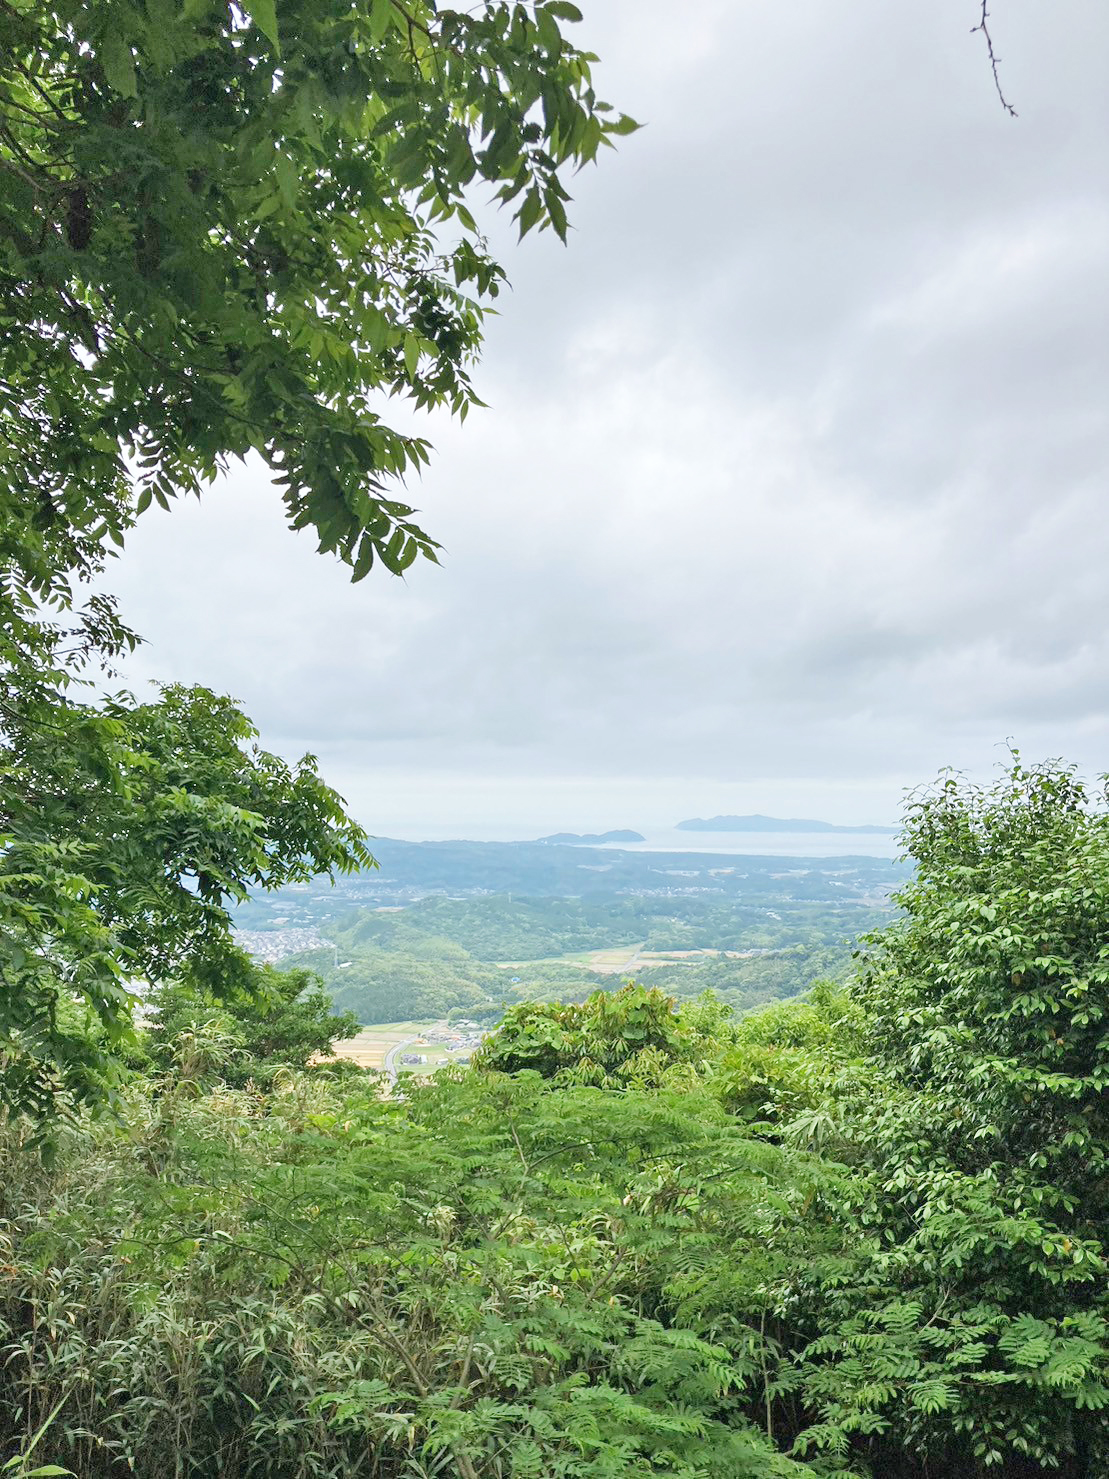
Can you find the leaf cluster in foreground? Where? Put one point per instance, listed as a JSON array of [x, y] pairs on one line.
[[855, 1234]]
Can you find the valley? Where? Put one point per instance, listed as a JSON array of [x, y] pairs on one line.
[[469, 928]]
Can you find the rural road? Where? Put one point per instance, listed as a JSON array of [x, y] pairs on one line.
[[389, 1064]]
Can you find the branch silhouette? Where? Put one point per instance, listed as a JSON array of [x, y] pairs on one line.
[[983, 26]]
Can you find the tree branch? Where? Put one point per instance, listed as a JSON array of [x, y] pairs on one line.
[[994, 58]]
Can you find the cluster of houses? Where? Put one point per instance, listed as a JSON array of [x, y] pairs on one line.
[[460, 1039], [270, 946]]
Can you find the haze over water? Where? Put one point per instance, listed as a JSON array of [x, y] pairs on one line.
[[671, 839], [768, 844]]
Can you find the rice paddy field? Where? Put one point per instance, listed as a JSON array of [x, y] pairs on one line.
[[374, 1045], [371, 1045]]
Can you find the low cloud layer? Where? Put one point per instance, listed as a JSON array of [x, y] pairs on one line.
[[793, 484]]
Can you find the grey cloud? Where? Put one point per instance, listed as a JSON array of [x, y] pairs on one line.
[[794, 476]]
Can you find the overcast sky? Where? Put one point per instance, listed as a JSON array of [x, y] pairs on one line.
[[792, 488]]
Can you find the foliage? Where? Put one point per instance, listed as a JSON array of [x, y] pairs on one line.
[[425, 979], [791, 1059], [848, 1235], [628, 1037], [470, 1281], [949, 1312], [858, 1235], [126, 830], [749, 983], [993, 991], [282, 1019], [984, 1011], [224, 230], [436, 955], [230, 228]]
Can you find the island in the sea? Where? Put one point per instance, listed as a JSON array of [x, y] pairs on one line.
[[758, 823], [581, 839]]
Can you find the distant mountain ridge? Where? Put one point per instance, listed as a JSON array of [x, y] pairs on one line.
[[573, 839], [758, 823]]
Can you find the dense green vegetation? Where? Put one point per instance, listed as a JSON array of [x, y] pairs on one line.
[[281, 1019], [429, 979], [441, 955], [778, 923], [225, 231], [856, 1234], [122, 835], [859, 1233], [495, 928], [419, 977]]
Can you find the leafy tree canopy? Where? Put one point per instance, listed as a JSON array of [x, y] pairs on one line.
[[858, 1235], [126, 831], [283, 1020], [991, 994], [225, 228], [630, 1036], [944, 1310], [982, 1133]]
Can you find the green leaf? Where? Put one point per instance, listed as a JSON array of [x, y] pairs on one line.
[[548, 31], [118, 65], [364, 563], [287, 179], [557, 212], [264, 270], [264, 16], [270, 206], [392, 552], [381, 17], [530, 211]]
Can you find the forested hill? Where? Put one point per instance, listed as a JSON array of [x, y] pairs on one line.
[[473, 926]]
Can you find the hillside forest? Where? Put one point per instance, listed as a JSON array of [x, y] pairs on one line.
[[857, 1233], [470, 927]]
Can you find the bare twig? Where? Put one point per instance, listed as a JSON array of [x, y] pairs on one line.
[[994, 58]]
